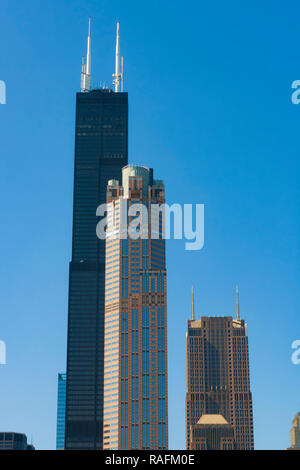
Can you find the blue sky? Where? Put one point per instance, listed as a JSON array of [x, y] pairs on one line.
[[210, 110]]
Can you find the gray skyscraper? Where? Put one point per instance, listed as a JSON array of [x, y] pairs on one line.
[[101, 150]]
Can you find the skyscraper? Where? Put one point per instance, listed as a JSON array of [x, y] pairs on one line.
[[295, 433], [14, 441], [212, 432], [61, 411], [218, 379], [101, 150], [135, 364]]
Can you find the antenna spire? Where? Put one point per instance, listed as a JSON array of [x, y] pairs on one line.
[[86, 67], [118, 76], [193, 308], [122, 74], [237, 304]]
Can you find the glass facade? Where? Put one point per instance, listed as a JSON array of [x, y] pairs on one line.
[[101, 143], [61, 411]]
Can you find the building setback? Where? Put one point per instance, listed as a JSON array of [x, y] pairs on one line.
[[212, 432], [218, 379], [135, 371], [101, 150]]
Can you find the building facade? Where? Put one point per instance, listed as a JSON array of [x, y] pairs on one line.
[[218, 378], [135, 364], [295, 433], [61, 411], [212, 432], [14, 441], [101, 143]]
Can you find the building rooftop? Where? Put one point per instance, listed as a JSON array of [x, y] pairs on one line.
[[199, 323], [212, 419]]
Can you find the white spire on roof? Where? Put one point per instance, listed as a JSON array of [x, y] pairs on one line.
[[118, 76], [86, 67]]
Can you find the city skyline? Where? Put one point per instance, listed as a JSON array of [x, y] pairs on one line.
[[232, 161]]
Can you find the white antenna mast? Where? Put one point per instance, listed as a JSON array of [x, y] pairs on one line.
[[237, 304], [122, 74], [117, 76], [82, 75], [86, 68]]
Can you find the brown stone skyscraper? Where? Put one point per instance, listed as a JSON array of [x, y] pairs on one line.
[[135, 360], [295, 433], [218, 381]]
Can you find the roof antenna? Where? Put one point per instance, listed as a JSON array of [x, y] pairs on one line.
[[193, 308], [86, 67], [82, 74], [237, 304], [122, 74], [117, 76]]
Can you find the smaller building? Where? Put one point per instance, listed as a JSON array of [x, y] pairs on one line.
[[61, 411], [212, 432], [14, 441], [218, 375], [295, 433]]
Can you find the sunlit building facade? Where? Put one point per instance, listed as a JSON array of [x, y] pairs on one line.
[[295, 433], [135, 357]]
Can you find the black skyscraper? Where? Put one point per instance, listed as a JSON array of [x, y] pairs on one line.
[[101, 150]]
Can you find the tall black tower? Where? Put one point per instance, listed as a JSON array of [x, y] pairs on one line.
[[101, 150]]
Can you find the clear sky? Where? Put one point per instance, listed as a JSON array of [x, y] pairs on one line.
[[209, 88]]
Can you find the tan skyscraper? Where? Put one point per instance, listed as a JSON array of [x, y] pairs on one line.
[[218, 380], [295, 433], [135, 361]]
